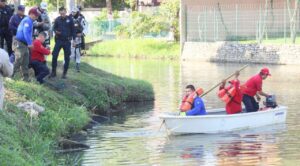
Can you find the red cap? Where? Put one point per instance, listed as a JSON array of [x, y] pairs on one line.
[[34, 11], [265, 71]]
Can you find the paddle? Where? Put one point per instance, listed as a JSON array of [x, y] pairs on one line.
[[217, 85]]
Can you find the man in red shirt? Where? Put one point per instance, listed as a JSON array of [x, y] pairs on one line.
[[253, 87], [38, 61]]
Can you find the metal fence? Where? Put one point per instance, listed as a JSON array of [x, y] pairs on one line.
[[236, 22]]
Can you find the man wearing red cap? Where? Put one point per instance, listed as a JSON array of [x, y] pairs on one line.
[[24, 42], [253, 87]]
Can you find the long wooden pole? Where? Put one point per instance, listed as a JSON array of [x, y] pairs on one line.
[[212, 88]]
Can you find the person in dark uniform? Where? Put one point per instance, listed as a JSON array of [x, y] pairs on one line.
[[16, 19], [84, 25], [78, 28], [64, 32], [5, 14]]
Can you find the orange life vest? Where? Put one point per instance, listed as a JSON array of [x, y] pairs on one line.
[[188, 101], [226, 94]]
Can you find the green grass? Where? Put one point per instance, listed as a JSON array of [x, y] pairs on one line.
[[137, 48], [273, 41], [25, 143]]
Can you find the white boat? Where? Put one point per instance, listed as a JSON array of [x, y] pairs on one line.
[[217, 121]]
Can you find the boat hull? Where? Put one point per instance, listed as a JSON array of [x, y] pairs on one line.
[[223, 123]]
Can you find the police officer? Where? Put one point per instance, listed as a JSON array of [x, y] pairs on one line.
[[64, 33], [16, 19], [43, 24], [84, 25], [77, 43], [5, 14]]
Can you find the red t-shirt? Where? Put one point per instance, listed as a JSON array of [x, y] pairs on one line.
[[38, 51], [253, 85]]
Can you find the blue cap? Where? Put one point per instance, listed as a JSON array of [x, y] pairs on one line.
[[21, 7]]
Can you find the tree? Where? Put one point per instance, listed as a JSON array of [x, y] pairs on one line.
[[169, 10], [109, 6], [52, 4], [293, 16]]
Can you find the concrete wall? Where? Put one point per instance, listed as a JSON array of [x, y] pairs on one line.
[[245, 53]]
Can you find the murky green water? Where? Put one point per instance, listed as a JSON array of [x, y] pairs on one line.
[[133, 139]]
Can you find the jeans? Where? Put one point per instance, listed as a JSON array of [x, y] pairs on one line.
[[250, 103], [40, 69]]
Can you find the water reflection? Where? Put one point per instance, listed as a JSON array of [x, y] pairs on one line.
[[258, 148], [133, 139]]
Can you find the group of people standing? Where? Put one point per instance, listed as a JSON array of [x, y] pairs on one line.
[[233, 95], [27, 38]]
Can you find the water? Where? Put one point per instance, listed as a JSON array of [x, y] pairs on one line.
[[134, 139]]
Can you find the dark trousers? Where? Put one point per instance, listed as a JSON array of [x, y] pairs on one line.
[[250, 103], [8, 39], [83, 42], [66, 46], [40, 70]]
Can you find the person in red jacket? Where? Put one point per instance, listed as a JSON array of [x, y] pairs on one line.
[[233, 95], [38, 61]]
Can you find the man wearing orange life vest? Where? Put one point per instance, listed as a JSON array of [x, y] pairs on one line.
[[253, 87], [232, 95], [198, 107]]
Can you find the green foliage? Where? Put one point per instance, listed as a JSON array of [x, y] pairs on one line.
[[101, 22], [103, 15], [116, 4], [137, 48], [141, 24], [132, 4], [169, 10], [122, 32], [52, 5], [22, 143]]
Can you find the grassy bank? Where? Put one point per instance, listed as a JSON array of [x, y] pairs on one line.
[[66, 103], [137, 48]]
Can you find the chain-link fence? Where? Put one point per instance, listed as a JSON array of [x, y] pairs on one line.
[[102, 29], [265, 21]]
